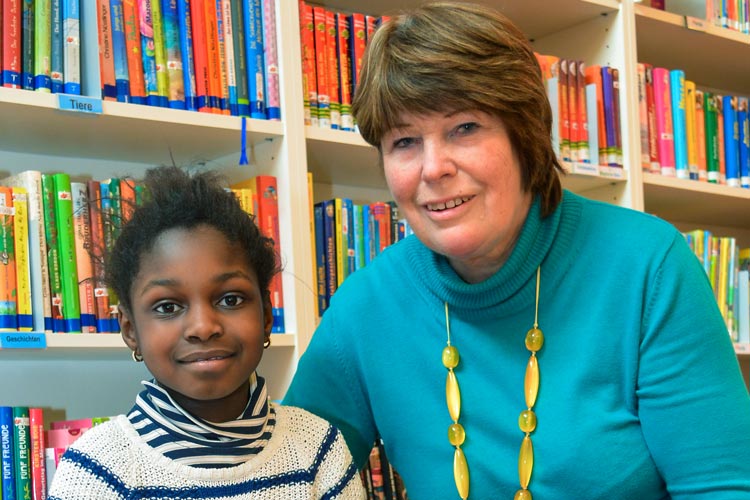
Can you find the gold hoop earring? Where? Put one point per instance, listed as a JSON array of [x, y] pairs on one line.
[[267, 343], [138, 358]]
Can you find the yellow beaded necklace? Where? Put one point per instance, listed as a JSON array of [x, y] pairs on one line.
[[526, 421]]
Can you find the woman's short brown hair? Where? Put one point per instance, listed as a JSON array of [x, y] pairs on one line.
[[451, 56]]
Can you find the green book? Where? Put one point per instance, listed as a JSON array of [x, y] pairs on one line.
[[66, 248], [27, 44], [42, 46], [22, 452], [53, 254], [712, 139], [160, 50]]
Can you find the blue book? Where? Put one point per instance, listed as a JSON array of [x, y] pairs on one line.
[[679, 122], [731, 140], [351, 245], [120, 52], [22, 452], [172, 49], [367, 233], [71, 15], [609, 116], [253, 22], [7, 447], [320, 258], [56, 47], [185, 28], [329, 246], [743, 126], [148, 53]]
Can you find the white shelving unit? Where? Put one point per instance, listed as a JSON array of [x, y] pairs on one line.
[[86, 375]]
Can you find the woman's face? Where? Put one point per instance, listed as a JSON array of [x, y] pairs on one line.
[[457, 181]]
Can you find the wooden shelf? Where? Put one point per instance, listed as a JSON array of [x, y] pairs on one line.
[[335, 156]]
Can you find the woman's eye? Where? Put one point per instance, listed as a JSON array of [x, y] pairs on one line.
[[231, 300], [167, 308], [465, 128], [403, 142]]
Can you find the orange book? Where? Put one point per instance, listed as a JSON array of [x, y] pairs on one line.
[[133, 44], [212, 57], [200, 56], [106, 55], [564, 107], [700, 135], [332, 65], [8, 303], [98, 251], [583, 128], [127, 198], [309, 78], [321, 67], [84, 265]]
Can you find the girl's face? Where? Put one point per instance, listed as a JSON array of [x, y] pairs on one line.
[[199, 320], [457, 181]]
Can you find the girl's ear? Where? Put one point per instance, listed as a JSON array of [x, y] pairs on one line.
[[127, 328], [267, 313]]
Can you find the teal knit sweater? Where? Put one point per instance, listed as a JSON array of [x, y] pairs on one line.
[[640, 398]]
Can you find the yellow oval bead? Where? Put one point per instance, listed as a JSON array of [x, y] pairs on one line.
[[461, 473], [531, 381], [534, 339], [456, 434], [450, 357], [522, 495], [453, 395], [527, 421], [525, 462]]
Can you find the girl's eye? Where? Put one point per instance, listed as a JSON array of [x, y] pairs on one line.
[[231, 300], [167, 308]]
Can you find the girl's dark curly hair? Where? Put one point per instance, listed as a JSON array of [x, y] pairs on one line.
[[176, 198]]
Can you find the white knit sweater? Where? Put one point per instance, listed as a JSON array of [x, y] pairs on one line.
[[306, 458]]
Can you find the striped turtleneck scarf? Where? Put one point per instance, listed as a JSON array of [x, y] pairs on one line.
[[195, 442]]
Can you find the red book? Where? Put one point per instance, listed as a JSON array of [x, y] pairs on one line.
[[213, 61], [583, 128], [309, 78], [321, 67], [593, 75], [333, 69], [653, 148], [200, 54], [268, 222], [564, 107], [11, 36], [133, 44], [106, 55], [38, 469], [357, 43]]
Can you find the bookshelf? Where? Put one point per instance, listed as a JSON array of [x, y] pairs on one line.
[[126, 139]]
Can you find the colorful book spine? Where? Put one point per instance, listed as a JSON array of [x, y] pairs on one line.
[[712, 138], [112, 223], [186, 49], [329, 234], [148, 53], [357, 42], [42, 45], [213, 62], [200, 54], [743, 126], [583, 128], [24, 308], [700, 133], [664, 127], [53, 253], [321, 67], [27, 44], [342, 236], [268, 221], [240, 58], [331, 61], [57, 61], [31, 180], [692, 133], [221, 63], [84, 266], [653, 147], [309, 78], [345, 71], [120, 51], [679, 122], [593, 76], [731, 141], [136, 77], [573, 109], [563, 109], [72, 46], [618, 119], [11, 35], [21, 455], [36, 454], [106, 54], [254, 53], [8, 285], [71, 307], [160, 53], [271, 56], [643, 117], [320, 258], [175, 78], [228, 60], [719, 101], [7, 450], [98, 252]]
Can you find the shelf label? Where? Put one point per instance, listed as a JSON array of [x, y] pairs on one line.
[[22, 340], [80, 104], [694, 23]]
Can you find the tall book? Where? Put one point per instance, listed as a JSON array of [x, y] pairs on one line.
[[743, 127], [8, 291], [357, 43], [27, 43], [41, 296], [42, 45], [309, 79], [321, 66], [731, 141], [106, 53], [719, 101], [67, 252], [664, 125], [643, 117], [148, 54], [173, 51], [98, 252], [331, 61], [582, 118], [160, 53], [11, 35], [690, 127], [700, 133], [37, 454], [53, 253], [120, 51], [712, 138], [254, 51], [228, 60], [188, 57], [345, 70], [240, 58], [21, 452], [7, 450], [200, 55], [72, 46], [679, 122], [57, 62], [84, 265], [225, 102], [271, 57], [24, 310], [136, 78], [320, 258]]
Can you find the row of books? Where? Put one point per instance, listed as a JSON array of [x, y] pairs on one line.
[[732, 14], [720, 257], [55, 235], [29, 454], [692, 133], [381, 480], [333, 44], [585, 110], [347, 237], [216, 56], [41, 45]]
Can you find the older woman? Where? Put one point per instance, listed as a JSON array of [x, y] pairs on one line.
[[526, 339]]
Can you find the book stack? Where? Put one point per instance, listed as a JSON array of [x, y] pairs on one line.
[[690, 133]]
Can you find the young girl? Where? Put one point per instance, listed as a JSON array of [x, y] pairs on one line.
[[192, 272]]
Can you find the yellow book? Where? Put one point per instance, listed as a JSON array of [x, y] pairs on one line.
[[23, 271], [723, 269], [690, 129], [341, 261], [312, 235]]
